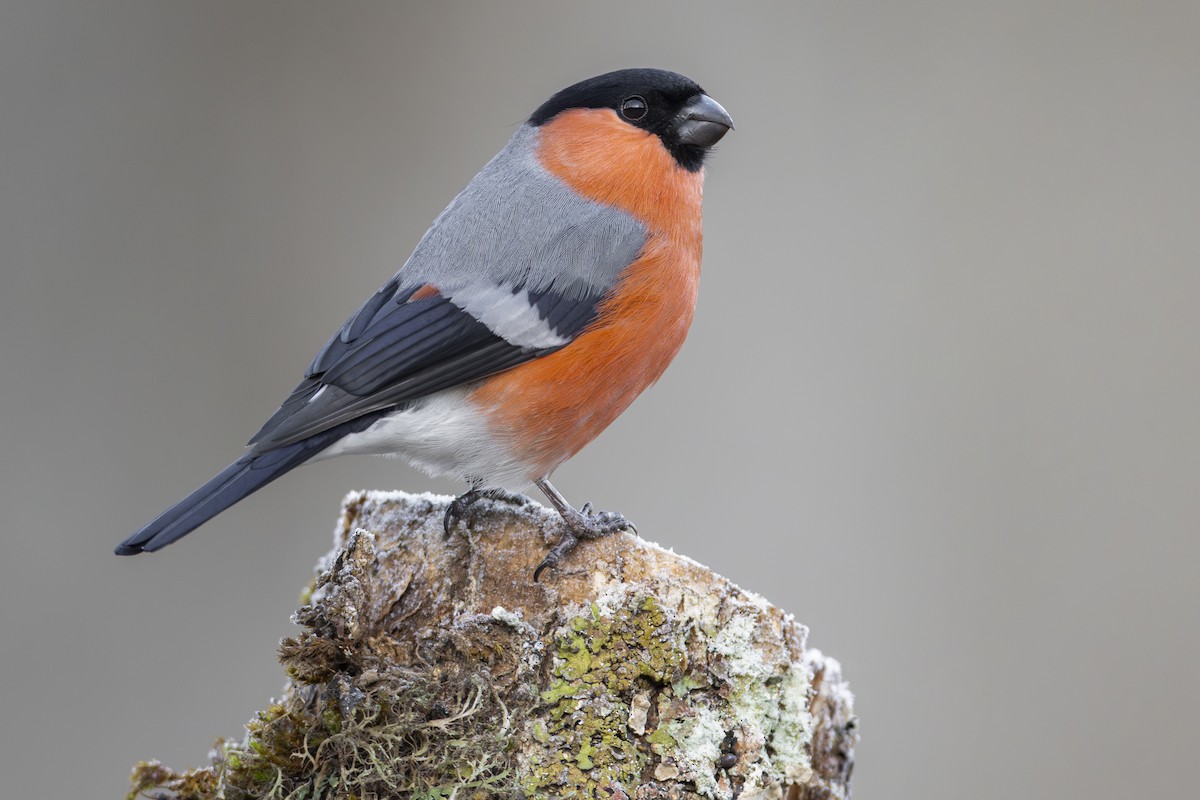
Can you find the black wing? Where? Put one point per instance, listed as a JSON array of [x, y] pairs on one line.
[[396, 349]]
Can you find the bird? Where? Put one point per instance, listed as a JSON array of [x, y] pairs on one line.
[[554, 289]]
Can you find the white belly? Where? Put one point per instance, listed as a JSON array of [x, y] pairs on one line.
[[443, 436]]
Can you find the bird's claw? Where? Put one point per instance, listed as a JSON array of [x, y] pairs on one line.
[[583, 524], [460, 506], [602, 523], [454, 512], [564, 546]]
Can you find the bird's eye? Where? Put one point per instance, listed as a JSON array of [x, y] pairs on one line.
[[634, 107]]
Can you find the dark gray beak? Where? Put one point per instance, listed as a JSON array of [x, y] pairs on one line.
[[702, 122]]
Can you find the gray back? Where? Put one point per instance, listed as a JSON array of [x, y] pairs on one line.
[[517, 224]]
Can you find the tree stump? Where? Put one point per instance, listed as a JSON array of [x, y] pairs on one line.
[[434, 667]]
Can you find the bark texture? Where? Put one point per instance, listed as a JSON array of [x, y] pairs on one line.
[[433, 667]]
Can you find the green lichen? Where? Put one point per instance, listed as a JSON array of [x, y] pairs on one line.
[[601, 660], [661, 740], [149, 776], [400, 740]]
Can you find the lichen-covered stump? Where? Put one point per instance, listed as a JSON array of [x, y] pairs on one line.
[[433, 667]]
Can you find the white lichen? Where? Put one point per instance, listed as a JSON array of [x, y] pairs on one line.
[[699, 738], [792, 732]]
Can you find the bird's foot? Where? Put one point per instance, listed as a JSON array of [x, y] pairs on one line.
[[583, 524], [461, 506]]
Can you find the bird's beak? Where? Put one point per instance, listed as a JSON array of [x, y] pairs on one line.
[[702, 122]]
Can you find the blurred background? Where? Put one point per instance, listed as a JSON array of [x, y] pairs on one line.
[[940, 398]]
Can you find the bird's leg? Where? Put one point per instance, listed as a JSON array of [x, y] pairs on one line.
[[461, 505], [582, 524]]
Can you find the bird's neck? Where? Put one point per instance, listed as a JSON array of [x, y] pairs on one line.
[[611, 162]]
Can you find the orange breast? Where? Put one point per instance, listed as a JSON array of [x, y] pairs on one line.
[[545, 411]]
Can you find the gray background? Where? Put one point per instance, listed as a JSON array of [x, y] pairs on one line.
[[940, 399]]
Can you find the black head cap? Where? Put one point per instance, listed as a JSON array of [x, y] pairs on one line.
[[664, 103]]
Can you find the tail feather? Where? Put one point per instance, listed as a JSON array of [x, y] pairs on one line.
[[240, 479]]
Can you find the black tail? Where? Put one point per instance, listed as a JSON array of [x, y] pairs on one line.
[[241, 478]]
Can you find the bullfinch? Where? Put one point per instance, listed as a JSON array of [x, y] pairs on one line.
[[549, 294]]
